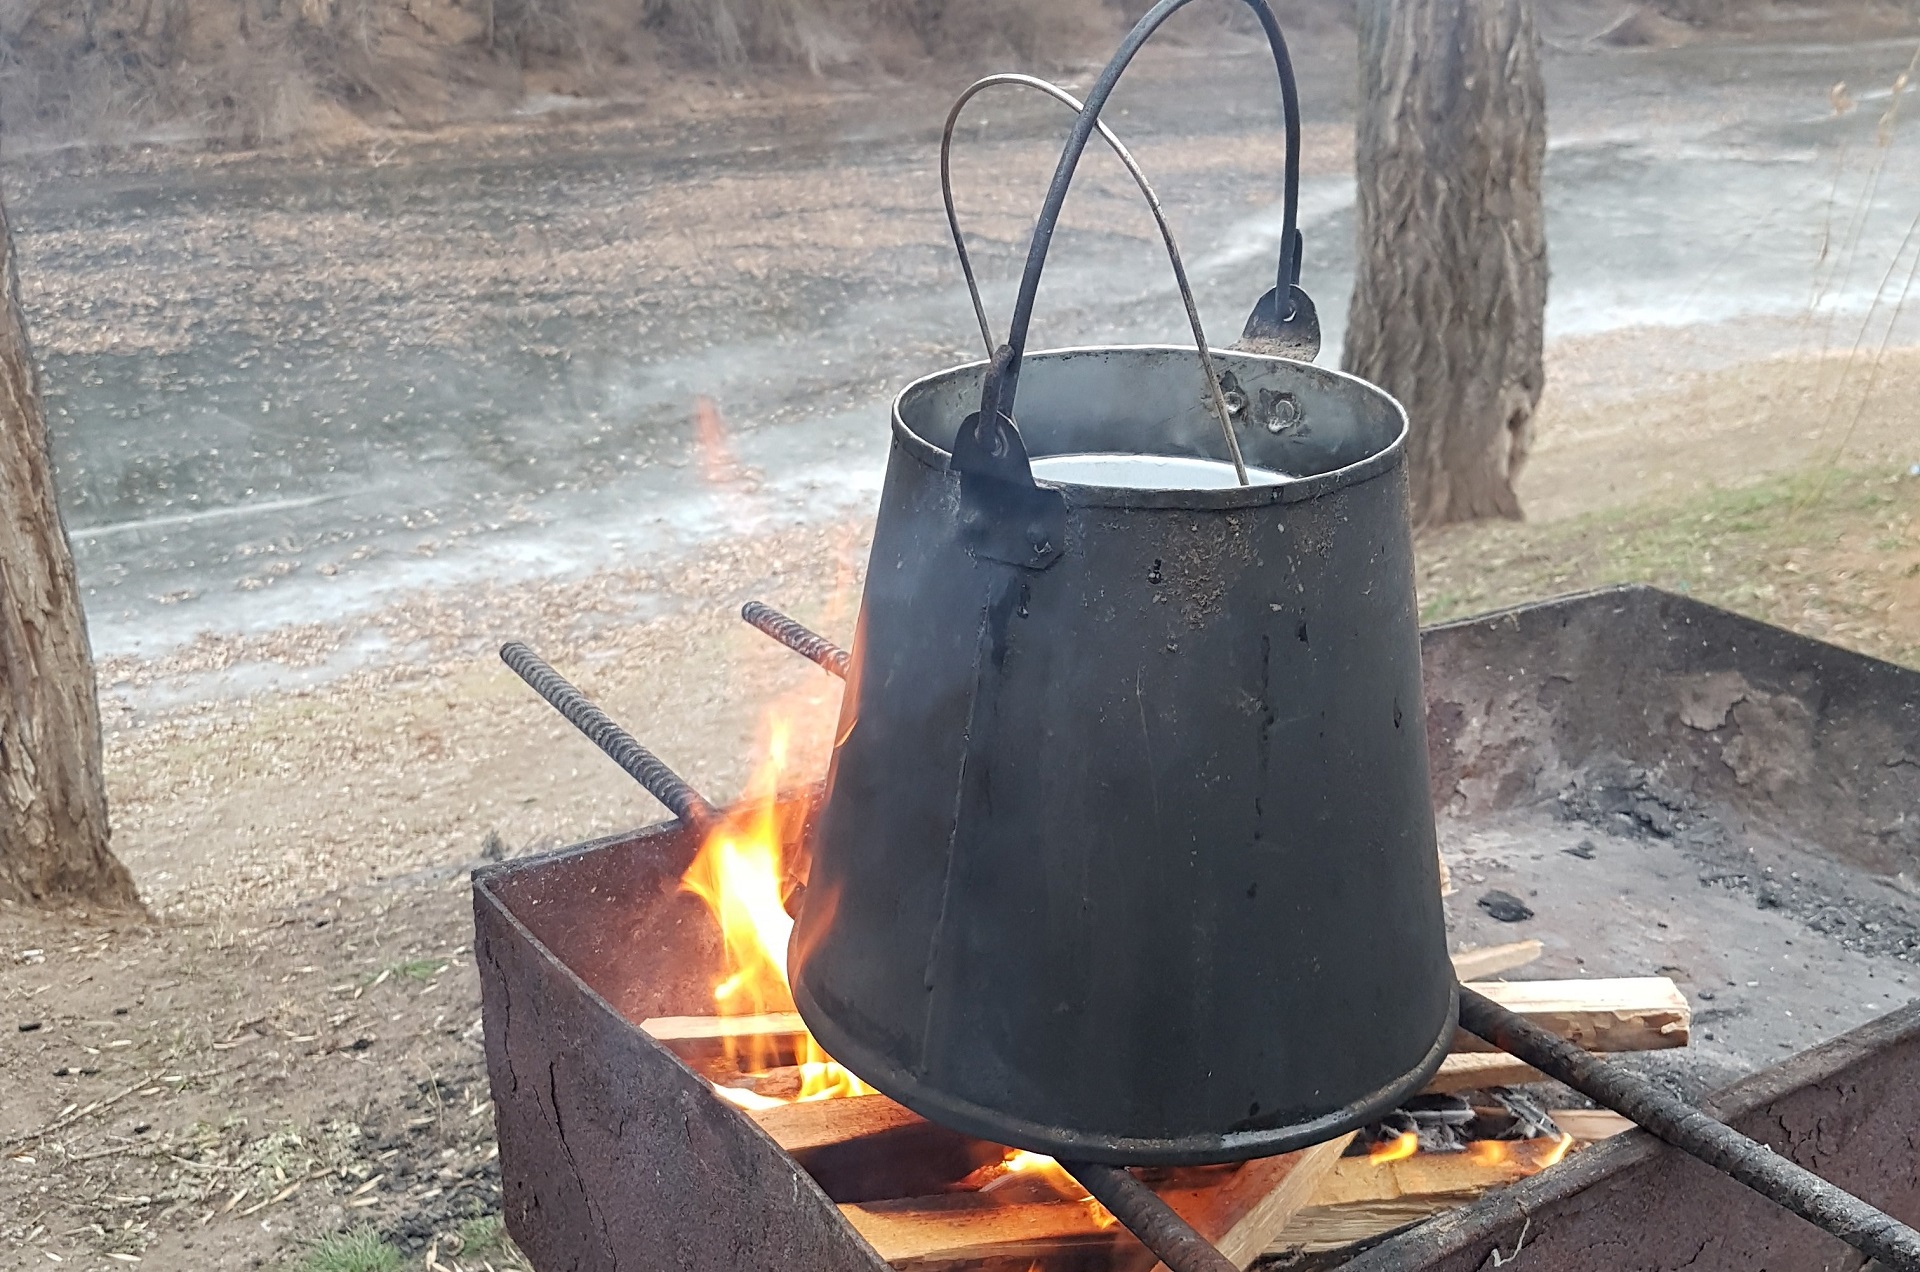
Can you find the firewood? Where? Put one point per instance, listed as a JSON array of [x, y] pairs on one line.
[[1478, 1070], [1491, 960], [1360, 1200], [1590, 1126], [1240, 1213], [934, 1234], [1324, 1229], [1635, 1013], [867, 1148], [1642, 1013], [1457, 1175], [800, 1128], [772, 1038]]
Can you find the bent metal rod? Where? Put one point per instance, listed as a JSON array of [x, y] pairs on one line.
[[642, 765], [1860, 1225]]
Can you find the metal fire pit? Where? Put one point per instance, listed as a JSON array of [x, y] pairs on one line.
[[1848, 1109], [615, 1155]]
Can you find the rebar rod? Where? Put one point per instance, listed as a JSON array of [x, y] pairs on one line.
[[801, 640], [642, 765], [1865, 1228], [1149, 1218]]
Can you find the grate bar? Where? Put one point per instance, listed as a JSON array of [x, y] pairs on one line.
[[1865, 1228], [642, 765], [801, 640], [1149, 1218]]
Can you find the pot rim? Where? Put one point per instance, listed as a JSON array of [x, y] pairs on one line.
[[1382, 461], [1206, 1148]]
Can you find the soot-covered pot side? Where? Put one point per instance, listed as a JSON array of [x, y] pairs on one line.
[[1130, 858]]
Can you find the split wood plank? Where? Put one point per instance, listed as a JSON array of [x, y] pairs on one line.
[[815, 1123], [1491, 960], [1244, 1213], [703, 1040], [1325, 1229], [1478, 1070], [1361, 1201], [1590, 1126], [1356, 1179], [721, 1028], [867, 1148], [1635, 1013], [1240, 1214], [1457, 1175], [926, 1234]]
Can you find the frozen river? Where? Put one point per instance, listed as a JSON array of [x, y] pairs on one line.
[[294, 390]]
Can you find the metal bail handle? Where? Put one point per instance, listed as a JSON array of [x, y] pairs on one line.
[[1001, 451]]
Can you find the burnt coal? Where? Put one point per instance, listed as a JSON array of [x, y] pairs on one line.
[[1506, 907]]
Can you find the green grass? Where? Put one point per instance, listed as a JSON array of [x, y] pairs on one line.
[[1828, 554], [420, 969], [481, 1235], [356, 1250]]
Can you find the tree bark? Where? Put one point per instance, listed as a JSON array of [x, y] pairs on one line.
[[1449, 298], [53, 798]]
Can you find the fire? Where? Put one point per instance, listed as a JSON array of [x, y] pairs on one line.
[[1529, 1155], [717, 463], [1038, 1167], [1490, 1152], [1513, 1158], [1397, 1149], [742, 874]]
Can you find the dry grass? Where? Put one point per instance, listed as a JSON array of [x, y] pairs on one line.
[[246, 73], [1832, 553]]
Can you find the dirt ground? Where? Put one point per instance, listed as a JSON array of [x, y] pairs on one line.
[[287, 1047]]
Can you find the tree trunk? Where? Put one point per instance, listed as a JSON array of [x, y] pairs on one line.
[[1449, 299], [53, 799]]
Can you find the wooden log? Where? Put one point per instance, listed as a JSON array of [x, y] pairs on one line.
[[1491, 960], [1639, 1013]]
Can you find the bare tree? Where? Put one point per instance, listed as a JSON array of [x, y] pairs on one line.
[[53, 798], [1449, 299]]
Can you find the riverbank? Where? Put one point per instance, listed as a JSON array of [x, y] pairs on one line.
[[332, 426]]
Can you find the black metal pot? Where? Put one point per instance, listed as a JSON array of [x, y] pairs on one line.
[[1130, 858], [1126, 854]]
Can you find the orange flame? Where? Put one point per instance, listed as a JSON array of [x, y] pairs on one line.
[[1045, 1170], [1526, 1155], [1397, 1149], [742, 874], [717, 463]]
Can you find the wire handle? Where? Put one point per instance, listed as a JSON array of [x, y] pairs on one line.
[[994, 435], [1215, 395]]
